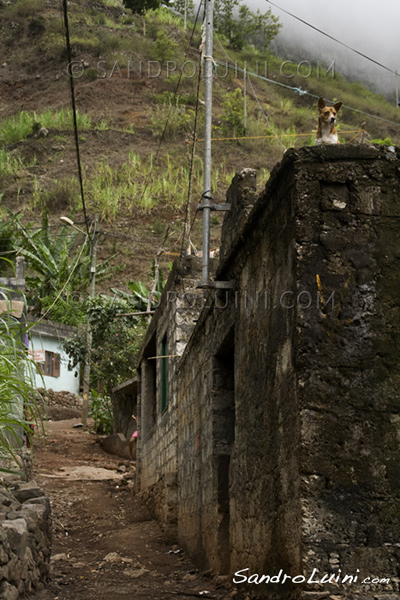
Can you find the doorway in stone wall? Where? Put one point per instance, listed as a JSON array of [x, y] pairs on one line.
[[223, 439]]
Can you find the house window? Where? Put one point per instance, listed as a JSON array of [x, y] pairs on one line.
[[164, 374], [51, 365]]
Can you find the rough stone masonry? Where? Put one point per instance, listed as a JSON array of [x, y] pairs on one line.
[[286, 398], [25, 537]]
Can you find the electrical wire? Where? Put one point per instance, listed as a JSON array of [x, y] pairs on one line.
[[302, 92], [192, 154], [332, 38], [72, 91], [146, 185]]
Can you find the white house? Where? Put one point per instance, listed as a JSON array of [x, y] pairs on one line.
[[45, 348]]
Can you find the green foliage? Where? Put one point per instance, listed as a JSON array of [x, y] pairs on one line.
[[140, 7], [174, 99], [179, 6], [386, 142], [23, 9], [111, 190], [116, 338], [17, 407], [116, 341], [243, 27], [9, 164], [101, 411], [58, 269], [7, 241], [180, 121], [61, 195], [19, 127], [164, 48], [233, 113], [57, 263]]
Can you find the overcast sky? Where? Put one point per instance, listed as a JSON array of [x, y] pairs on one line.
[[372, 27]]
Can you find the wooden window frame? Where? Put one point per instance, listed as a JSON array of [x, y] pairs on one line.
[[51, 367]]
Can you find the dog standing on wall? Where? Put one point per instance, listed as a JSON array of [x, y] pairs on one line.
[[326, 132]]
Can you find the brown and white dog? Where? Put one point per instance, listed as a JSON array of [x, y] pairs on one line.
[[326, 132]]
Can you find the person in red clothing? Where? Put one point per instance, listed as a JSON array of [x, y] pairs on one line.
[[133, 440]]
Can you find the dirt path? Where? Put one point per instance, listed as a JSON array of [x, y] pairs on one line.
[[105, 543]]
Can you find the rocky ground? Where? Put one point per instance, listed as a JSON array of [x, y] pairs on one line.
[[105, 543]]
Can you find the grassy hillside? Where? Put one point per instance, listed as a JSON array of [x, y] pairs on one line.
[[126, 70]]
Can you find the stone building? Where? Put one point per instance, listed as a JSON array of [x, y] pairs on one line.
[[269, 425]]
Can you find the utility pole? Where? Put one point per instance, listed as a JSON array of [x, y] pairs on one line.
[[92, 283], [244, 98], [208, 77], [185, 16], [397, 87]]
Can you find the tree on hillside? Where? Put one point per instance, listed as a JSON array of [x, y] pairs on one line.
[[180, 6], [140, 7], [224, 18], [241, 26], [266, 28]]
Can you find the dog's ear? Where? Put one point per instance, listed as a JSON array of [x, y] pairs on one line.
[[337, 106], [321, 103]]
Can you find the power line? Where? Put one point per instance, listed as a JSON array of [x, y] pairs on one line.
[[191, 165], [72, 90], [332, 38], [146, 185], [302, 92]]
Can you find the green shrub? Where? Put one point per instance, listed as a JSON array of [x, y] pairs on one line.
[[17, 389], [102, 412], [173, 120], [19, 127], [23, 9]]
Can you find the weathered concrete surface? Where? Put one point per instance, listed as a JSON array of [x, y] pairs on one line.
[[287, 411]]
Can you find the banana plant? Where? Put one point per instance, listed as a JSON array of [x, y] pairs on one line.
[[58, 265]]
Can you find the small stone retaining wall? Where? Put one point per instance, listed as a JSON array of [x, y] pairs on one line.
[[25, 539], [66, 399]]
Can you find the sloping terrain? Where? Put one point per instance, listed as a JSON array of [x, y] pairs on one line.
[[126, 72], [105, 543]]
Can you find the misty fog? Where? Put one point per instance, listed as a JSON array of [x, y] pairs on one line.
[[370, 27]]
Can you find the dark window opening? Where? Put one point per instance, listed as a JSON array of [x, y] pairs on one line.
[[223, 439], [149, 387], [164, 373]]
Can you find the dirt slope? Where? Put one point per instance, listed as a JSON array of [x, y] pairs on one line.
[[105, 543]]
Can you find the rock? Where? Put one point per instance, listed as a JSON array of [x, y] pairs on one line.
[[8, 592], [135, 573], [116, 444], [43, 132], [17, 535], [27, 493], [57, 557]]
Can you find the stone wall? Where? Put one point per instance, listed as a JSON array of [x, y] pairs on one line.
[[25, 538], [238, 471], [157, 428], [65, 399], [286, 405]]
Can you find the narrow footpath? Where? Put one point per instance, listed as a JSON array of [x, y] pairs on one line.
[[106, 546]]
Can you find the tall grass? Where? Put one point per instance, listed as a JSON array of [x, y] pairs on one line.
[[17, 392], [11, 164], [140, 184], [17, 128]]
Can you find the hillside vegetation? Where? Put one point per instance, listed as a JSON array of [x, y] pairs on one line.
[[135, 131]]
